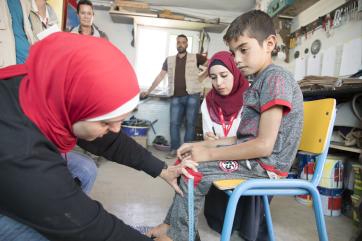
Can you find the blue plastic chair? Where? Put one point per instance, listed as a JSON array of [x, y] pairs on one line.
[[319, 116]]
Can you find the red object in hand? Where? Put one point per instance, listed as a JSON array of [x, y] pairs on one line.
[[197, 175]]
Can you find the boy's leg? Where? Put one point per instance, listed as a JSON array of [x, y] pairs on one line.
[[15, 231], [82, 168], [178, 215]]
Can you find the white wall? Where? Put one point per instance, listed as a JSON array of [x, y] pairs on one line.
[[119, 34], [217, 43], [340, 35]]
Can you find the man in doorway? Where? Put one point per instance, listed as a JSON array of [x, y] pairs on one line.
[[184, 88], [85, 13]]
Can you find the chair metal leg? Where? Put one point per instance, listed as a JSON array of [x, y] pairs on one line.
[[268, 218], [319, 216], [229, 218], [280, 187]]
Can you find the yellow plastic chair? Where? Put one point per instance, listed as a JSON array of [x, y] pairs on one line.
[[319, 116]]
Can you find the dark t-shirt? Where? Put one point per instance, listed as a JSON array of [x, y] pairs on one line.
[[180, 81]]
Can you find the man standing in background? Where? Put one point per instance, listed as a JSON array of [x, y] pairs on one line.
[[16, 34], [184, 87], [85, 12], [42, 16]]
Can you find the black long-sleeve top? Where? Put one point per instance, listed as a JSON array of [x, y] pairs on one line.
[[37, 189]]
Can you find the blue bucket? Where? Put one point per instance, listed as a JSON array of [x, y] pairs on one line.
[[135, 130]]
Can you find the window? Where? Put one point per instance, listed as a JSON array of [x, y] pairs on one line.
[[153, 46]]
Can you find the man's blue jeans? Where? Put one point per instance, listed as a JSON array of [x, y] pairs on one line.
[[183, 106], [82, 168]]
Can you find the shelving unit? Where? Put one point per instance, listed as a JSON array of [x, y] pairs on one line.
[[339, 146], [344, 91], [147, 19], [342, 94]]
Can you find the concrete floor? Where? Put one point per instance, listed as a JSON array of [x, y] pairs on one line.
[[141, 200]]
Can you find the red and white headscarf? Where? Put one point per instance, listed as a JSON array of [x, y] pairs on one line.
[[69, 78]]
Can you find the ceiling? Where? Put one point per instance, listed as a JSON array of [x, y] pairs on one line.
[[239, 6]]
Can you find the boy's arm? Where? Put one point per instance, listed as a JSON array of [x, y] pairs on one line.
[[187, 149], [261, 146]]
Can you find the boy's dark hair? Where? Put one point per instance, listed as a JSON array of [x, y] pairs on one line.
[[84, 2], [182, 36], [254, 24]]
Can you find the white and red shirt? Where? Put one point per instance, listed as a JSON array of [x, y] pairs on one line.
[[207, 123]]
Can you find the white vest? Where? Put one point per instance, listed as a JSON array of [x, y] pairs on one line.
[[193, 84], [7, 40]]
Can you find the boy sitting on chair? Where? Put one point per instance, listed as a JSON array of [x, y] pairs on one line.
[[269, 131]]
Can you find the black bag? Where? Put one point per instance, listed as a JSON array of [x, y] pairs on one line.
[[249, 217]]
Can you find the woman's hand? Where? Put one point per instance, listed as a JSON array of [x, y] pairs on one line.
[[171, 174]]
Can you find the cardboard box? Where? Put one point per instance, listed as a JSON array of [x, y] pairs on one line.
[[132, 4], [142, 140]]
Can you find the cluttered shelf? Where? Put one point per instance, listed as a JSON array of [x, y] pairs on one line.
[[339, 146], [140, 13], [334, 92], [327, 86], [347, 91]]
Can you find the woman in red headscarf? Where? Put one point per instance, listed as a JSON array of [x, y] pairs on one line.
[[73, 89], [223, 104], [221, 113]]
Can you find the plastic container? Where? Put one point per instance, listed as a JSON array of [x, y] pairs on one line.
[[160, 147], [332, 176], [292, 175], [135, 130], [331, 201], [357, 190], [306, 165], [357, 170], [355, 203]]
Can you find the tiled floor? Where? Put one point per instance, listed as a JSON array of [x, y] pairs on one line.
[[141, 200]]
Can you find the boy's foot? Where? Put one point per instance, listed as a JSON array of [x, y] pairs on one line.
[[158, 231], [171, 154]]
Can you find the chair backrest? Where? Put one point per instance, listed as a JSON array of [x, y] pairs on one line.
[[319, 116]]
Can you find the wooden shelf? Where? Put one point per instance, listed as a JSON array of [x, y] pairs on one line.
[[147, 19], [343, 91], [338, 146]]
